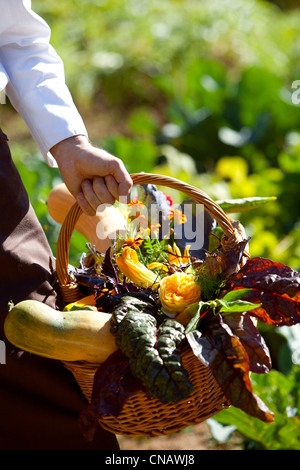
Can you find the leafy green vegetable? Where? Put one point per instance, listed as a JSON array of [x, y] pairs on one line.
[[153, 350], [153, 250], [218, 266]]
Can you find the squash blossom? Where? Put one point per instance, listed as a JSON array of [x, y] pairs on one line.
[[131, 267], [175, 258], [178, 291]]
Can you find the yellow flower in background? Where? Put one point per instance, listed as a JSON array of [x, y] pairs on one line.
[[131, 267], [178, 291]]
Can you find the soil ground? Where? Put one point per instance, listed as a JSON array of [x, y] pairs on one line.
[[197, 437]]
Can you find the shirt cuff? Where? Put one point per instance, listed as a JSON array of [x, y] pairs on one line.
[[51, 116]]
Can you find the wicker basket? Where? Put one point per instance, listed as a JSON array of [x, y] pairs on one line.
[[142, 415]]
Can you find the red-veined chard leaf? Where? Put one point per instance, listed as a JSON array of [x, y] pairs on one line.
[[273, 285], [223, 352], [242, 326]]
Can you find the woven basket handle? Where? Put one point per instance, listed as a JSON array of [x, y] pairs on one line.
[[230, 238]]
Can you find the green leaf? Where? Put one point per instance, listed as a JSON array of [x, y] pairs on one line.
[[244, 204], [198, 308], [281, 394], [236, 294], [153, 349], [229, 304], [236, 306]]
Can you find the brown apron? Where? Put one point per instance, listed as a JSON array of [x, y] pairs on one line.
[[39, 399]]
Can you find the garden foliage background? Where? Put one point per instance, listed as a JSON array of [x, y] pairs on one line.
[[201, 90]]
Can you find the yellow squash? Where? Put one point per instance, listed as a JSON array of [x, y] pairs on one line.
[[80, 335]]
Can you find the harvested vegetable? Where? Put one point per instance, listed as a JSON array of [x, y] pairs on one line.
[[154, 351], [79, 335]]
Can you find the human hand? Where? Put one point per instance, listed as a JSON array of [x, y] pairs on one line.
[[92, 175]]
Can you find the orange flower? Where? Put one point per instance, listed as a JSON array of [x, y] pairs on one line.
[[133, 201], [174, 254], [154, 229], [177, 215], [178, 291], [133, 242], [135, 207]]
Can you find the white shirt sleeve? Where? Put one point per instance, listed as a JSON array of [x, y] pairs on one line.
[[35, 74]]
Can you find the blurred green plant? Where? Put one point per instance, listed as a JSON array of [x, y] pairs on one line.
[[281, 395], [280, 390]]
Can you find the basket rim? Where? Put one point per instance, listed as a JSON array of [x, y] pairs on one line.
[[231, 235]]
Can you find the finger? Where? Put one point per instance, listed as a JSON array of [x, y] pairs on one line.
[[102, 192], [122, 177], [112, 186], [107, 164], [84, 205], [87, 187], [125, 187]]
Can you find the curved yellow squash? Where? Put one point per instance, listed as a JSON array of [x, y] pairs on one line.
[[80, 335]]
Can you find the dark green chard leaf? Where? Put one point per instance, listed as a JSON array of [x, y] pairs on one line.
[[152, 349]]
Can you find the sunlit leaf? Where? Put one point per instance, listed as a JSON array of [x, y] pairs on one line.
[[244, 204], [224, 354]]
